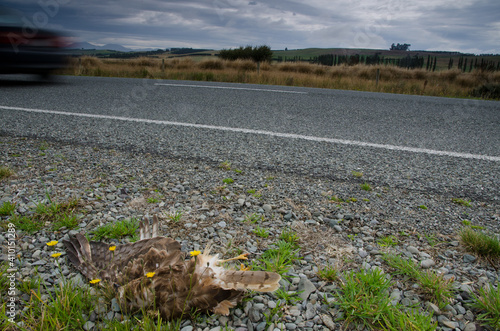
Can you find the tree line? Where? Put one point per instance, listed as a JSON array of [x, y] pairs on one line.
[[409, 62], [255, 53]]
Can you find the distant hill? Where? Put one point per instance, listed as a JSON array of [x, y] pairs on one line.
[[107, 47]]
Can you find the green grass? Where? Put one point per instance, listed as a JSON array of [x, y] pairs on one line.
[[424, 207], [278, 259], [462, 202], [5, 172], [55, 214], [63, 310], [117, 230], [488, 303], [228, 180], [66, 221], [253, 218], [388, 241], [357, 174], [175, 216], [289, 297], [363, 298], [290, 237], [226, 165], [261, 232], [366, 187], [483, 244], [328, 273], [433, 286], [7, 208], [365, 302]]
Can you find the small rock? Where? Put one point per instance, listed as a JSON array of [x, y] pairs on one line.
[[470, 327], [328, 321], [469, 258], [305, 287], [412, 250], [267, 208], [88, 325], [427, 263]]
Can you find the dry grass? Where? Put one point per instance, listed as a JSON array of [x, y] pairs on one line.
[[449, 83]]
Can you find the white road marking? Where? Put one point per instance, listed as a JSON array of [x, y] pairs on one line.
[[264, 133], [232, 88]]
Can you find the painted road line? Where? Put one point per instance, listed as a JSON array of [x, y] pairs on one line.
[[231, 88], [264, 133]]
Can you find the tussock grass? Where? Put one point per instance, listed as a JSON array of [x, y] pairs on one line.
[[5, 172], [449, 83], [480, 243]]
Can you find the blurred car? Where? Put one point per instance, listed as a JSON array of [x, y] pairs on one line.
[[29, 50]]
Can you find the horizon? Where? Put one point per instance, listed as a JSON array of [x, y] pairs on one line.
[[471, 26]]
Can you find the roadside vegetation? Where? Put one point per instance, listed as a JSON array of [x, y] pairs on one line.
[[447, 83]]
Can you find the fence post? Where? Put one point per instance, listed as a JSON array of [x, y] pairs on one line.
[[163, 65], [377, 78]]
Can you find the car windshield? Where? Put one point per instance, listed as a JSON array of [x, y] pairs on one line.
[[10, 17]]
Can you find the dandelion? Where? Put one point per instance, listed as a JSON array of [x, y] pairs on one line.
[[245, 268], [112, 248], [56, 254], [195, 253], [52, 243], [94, 281], [150, 274]]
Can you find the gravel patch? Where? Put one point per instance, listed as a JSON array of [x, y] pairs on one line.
[[344, 231]]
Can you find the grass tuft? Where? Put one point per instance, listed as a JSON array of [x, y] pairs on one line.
[[120, 229], [433, 286], [488, 302], [485, 245], [7, 208], [5, 172]]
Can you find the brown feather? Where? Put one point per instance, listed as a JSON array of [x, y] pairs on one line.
[[178, 286]]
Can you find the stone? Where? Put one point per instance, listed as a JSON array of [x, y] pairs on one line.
[[470, 327], [328, 321], [412, 250], [267, 208], [427, 263], [469, 258], [305, 287], [88, 325]]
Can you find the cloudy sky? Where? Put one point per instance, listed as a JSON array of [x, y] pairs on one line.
[[453, 25]]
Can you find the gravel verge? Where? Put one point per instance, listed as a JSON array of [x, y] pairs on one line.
[[113, 185]]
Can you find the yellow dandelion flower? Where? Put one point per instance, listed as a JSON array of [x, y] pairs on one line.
[[56, 254], [112, 248], [52, 243], [94, 281], [195, 253], [150, 274], [245, 268]]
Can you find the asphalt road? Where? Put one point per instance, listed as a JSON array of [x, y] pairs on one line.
[[423, 143]]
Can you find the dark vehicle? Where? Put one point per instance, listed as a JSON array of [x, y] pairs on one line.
[[25, 49]]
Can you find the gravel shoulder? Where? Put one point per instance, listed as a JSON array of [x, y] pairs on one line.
[[343, 231]]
